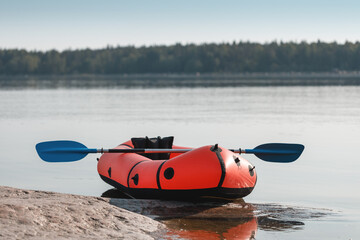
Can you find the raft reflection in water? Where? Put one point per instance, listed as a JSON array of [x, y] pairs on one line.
[[212, 229], [213, 218]]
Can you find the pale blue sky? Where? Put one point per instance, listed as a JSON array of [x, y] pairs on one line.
[[63, 24]]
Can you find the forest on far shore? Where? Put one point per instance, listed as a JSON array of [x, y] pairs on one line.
[[236, 57]]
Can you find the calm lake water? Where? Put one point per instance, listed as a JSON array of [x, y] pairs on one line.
[[326, 119]]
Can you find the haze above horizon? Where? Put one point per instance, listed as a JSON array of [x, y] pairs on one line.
[[78, 24]]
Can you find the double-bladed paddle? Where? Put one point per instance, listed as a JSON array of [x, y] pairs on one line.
[[69, 151]]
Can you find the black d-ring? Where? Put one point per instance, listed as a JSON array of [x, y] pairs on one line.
[[169, 173]]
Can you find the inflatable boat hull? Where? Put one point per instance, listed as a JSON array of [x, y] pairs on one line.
[[208, 171]]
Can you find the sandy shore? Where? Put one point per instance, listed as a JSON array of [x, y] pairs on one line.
[[47, 215]]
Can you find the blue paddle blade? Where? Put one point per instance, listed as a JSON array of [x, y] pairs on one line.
[[62, 151], [278, 152]]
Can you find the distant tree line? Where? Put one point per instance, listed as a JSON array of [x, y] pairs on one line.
[[236, 57]]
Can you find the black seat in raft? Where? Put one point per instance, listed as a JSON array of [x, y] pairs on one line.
[[157, 142]]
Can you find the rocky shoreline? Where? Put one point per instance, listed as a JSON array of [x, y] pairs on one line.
[[28, 214], [32, 214]]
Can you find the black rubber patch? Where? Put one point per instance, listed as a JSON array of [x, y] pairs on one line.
[[217, 150], [158, 175], [109, 171], [237, 161], [135, 179], [128, 178], [169, 173], [251, 170]]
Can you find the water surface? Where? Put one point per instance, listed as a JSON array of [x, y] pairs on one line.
[[326, 119]]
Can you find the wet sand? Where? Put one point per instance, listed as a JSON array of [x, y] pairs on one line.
[[49, 215]]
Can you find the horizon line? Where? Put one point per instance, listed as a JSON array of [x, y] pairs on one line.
[[111, 46]]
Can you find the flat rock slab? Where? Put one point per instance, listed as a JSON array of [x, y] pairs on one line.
[[219, 219], [47, 215], [27, 214]]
